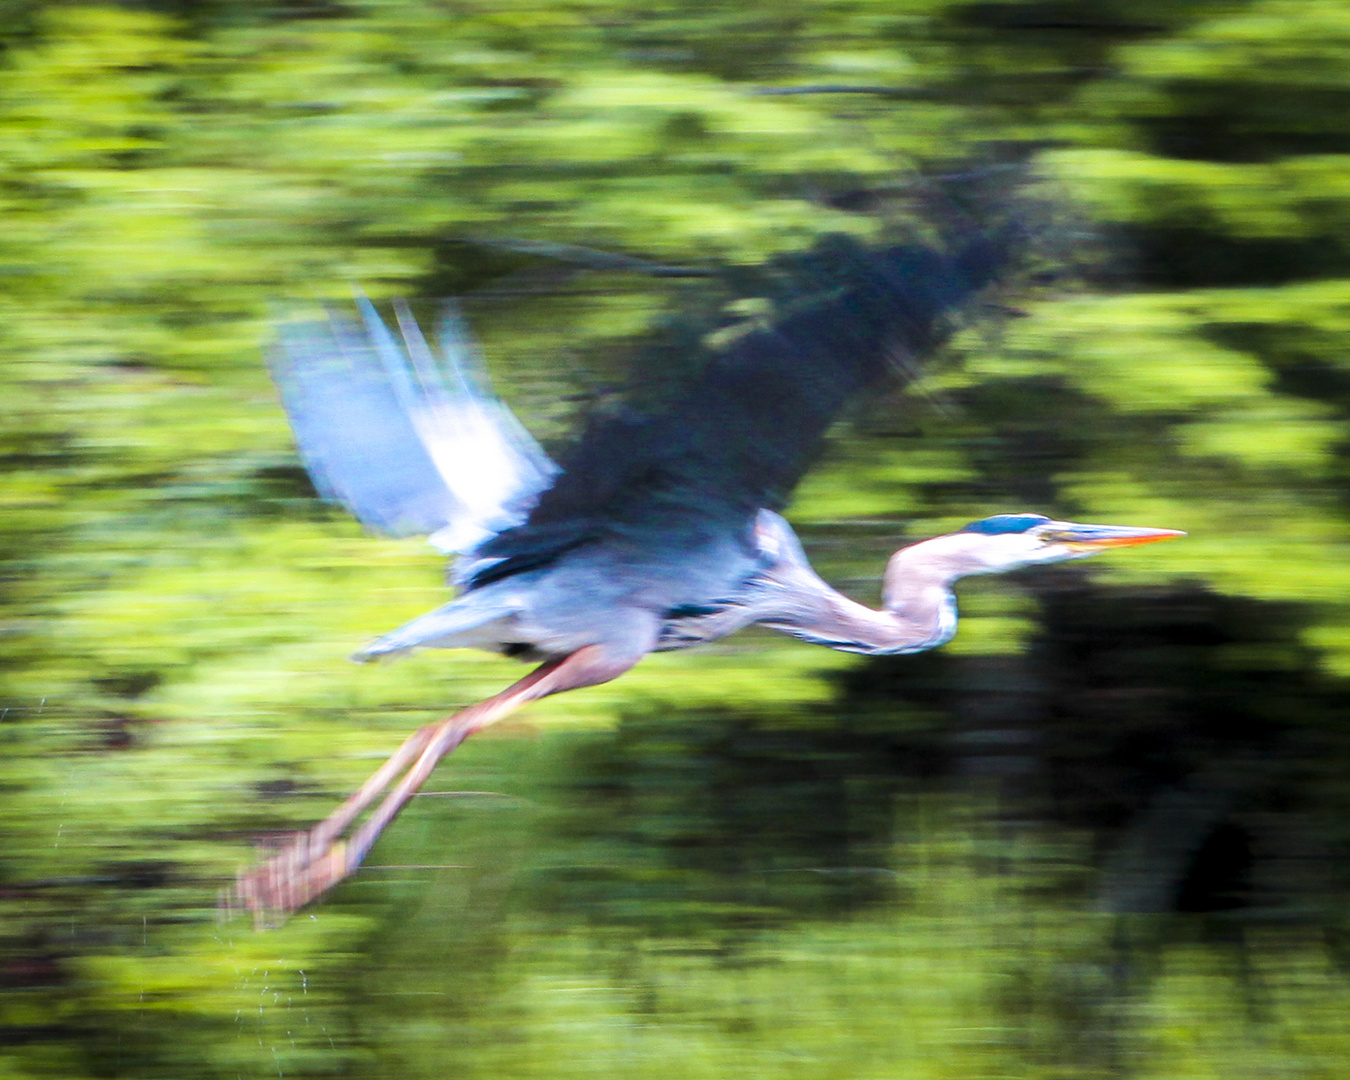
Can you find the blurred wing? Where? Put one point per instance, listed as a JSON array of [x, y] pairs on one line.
[[742, 434], [410, 441]]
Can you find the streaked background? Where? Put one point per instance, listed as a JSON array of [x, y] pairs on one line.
[[1102, 834]]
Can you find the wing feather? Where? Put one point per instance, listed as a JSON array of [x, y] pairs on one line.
[[409, 439], [740, 436]]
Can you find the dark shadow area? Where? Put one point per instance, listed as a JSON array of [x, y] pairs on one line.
[[1218, 121], [1190, 735], [1199, 256]]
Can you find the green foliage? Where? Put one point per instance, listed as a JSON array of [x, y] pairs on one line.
[[176, 605]]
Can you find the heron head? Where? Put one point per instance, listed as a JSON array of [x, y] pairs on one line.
[[1007, 541]]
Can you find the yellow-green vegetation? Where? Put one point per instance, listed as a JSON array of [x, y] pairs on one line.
[[757, 859]]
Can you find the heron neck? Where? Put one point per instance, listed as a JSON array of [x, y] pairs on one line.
[[916, 593], [918, 609], [918, 612]]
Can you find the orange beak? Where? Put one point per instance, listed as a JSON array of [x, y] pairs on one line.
[[1100, 537]]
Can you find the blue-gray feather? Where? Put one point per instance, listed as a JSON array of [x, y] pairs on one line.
[[655, 482], [409, 440], [355, 435]]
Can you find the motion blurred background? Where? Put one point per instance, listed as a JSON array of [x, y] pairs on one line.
[[1103, 834]]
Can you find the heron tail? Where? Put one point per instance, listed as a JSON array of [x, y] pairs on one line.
[[468, 622]]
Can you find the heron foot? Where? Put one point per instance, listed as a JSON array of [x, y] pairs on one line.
[[282, 884]]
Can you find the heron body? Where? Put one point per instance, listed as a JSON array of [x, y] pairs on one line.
[[656, 530]]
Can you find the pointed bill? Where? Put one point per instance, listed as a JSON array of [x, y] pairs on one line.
[[1099, 537]]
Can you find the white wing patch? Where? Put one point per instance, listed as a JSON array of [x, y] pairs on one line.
[[410, 439]]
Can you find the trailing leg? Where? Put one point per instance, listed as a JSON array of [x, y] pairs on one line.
[[318, 859]]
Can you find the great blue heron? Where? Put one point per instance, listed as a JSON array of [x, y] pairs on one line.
[[656, 531]]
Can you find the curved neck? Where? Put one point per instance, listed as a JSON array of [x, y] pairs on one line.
[[916, 592], [918, 608]]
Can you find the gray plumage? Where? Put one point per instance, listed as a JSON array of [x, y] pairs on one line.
[[652, 513], [656, 532]]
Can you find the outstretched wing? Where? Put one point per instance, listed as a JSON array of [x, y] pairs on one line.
[[743, 433], [410, 440]]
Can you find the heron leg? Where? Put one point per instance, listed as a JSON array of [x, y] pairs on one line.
[[317, 860], [331, 827]]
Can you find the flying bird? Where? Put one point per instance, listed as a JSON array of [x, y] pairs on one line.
[[655, 530]]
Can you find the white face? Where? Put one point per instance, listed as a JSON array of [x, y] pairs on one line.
[[976, 552]]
